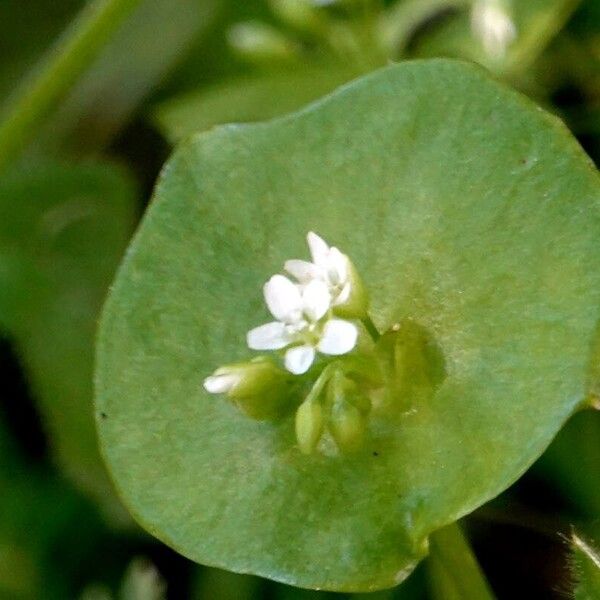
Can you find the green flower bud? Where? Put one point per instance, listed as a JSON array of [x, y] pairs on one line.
[[347, 426], [260, 42], [309, 425], [258, 387], [348, 409]]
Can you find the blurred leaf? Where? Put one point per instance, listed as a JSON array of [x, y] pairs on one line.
[[62, 65], [211, 59], [62, 232], [26, 30], [466, 208], [45, 530], [572, 463], [246, 99], [126, 72], [586, 564]]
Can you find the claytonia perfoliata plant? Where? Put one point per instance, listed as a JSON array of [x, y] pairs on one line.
[[316, 313]]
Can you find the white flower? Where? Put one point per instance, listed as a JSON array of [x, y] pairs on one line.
[[300, 312], [335, 269], [492, 24], [329, 265]]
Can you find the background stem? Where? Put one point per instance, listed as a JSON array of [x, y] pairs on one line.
[[454, 572], [76, 49]]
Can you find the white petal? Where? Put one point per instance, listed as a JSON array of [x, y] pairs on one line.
[[319, 250], [303, 270], [337, 266], [220, 384], [271, 336], [316, 299], [283, 298], [299, 359], [344, 295], [339, 337]]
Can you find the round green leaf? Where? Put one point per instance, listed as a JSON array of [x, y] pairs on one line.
[[467, 210]]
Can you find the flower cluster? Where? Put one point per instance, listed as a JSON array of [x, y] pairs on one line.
[[313, 308], [304, 309]]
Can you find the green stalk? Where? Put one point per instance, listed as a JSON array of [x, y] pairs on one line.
[[371, 329], [53, 78], [454, 573]]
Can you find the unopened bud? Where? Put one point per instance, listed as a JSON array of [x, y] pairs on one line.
[[309, 425], [258, 387], [347, 426], [260, 42], [348, 409]]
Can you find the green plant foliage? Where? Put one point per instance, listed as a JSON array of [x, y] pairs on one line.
[[536, 23], [40, 514], [26, 30], [126, 71], [46, 528], [467, 210], [454, 573], [586, 568], [215, 583], [572, 457], [247, 99], [58, 253]]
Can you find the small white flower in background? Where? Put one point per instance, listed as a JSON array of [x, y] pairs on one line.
[[492, 24], [303, 323]]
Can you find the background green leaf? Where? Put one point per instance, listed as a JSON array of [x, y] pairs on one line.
[[466, 209], [572, 457], [58, 253], [247, 99], [27, 29], [127, 70]]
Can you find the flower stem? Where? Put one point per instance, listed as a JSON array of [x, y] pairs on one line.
[[370, 327], [319, 384], [74, 51], [454, 572]]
